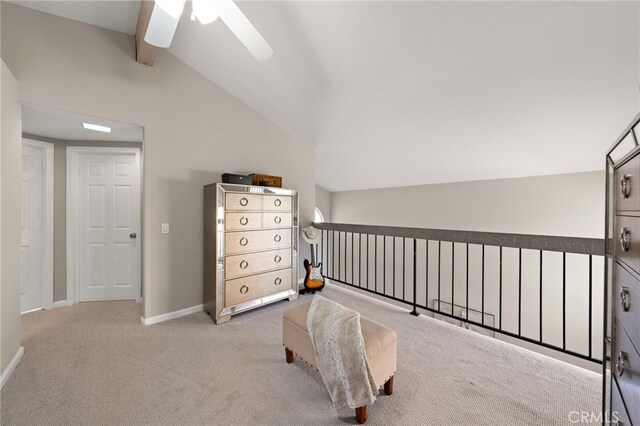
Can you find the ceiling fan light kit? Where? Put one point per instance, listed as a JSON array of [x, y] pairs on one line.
[[166, 15]]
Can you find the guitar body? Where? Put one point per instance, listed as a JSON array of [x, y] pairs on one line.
[[313, 281]]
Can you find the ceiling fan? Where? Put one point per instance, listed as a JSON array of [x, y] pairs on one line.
[[166, 15]]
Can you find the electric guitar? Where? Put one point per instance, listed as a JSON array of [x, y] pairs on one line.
[[313, 281]]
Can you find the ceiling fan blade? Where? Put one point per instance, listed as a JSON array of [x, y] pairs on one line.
[[244, 30], [162, 27]]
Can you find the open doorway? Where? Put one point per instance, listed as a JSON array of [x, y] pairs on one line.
[[96, 223]]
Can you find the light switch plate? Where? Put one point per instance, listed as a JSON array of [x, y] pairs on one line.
[[165, 228]]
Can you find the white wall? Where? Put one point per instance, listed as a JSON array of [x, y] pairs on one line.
[[565, 205], [10, 219], [194, 131], [570, 204]]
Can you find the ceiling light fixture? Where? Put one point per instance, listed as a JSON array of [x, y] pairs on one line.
[[166, 15], [96, 127]]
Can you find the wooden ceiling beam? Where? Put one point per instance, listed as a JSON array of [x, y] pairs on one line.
[[145, 53]]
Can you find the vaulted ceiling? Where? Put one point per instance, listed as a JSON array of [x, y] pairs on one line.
[[402, 93]]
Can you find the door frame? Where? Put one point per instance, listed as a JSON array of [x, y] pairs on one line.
[[73, 157], [47, 219]]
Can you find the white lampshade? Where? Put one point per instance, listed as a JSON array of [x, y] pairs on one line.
[[205, 11], [173, 8], [161, 29]]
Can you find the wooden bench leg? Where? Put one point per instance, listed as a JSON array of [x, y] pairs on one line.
[[289, 355], [361, 414], [388, 386]]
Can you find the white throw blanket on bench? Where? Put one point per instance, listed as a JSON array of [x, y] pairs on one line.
[[340, 353]]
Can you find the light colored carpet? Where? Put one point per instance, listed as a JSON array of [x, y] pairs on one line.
[[94, 363]]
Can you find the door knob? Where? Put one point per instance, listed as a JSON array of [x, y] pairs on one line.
[[132, 235]]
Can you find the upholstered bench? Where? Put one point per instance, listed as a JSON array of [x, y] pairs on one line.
[[380, 346]]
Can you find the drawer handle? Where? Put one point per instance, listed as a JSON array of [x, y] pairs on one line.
[[244, 241], [277, 219], [625, 186], [277, 259], [277, 281], [244, 289], [277, 202], [243, 221], [624, 298], [621, 363], [277, 238], [244, 264], [624, 239], [243, 201]]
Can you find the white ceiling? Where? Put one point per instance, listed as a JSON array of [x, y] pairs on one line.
[[65, 125], [404, 93]]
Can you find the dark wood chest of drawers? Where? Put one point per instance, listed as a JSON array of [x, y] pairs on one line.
[[622, 310]]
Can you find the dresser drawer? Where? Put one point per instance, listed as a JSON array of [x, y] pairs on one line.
[[618, 411], [276, 203], [247, 264], [254, 287], [627, 234], [627, 185], [276, 220], [244, 242], [242, 202], [627, 300], [242, 221], [626, 367]]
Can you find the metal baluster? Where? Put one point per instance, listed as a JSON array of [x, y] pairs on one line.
[[359, 260], [339, 243], [404, 266], [453, 280], [540, 295], [384, 264], [590, 302], [352, 260], [467, 292], [426, 272], [500, 303], [564, 300], [482, 310], [439, 272], [394, 266], [375, 266], [519, 292], [415, 279]]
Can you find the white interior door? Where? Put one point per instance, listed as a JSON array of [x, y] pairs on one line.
[[33, 192], [108, 224]]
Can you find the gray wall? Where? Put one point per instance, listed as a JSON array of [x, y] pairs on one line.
[[194, 131], [60, 205], [10, 218], [569, 204], [323, 202]]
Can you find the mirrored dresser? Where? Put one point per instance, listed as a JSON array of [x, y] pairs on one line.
[[250, 248]]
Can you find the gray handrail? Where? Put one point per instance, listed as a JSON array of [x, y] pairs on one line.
[[593, 246]]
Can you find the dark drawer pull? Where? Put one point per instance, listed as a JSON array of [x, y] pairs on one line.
[[277, 219], [621, 363], [277, 202], [624, 239], [243, 221], [244, 241], [624, 298], [277, 259], [244, 264], [277, 238], [277, 281], [243, 201], [625, 187], [244, 289]]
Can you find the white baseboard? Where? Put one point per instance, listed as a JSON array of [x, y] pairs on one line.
[[172, 315], [12, 366]]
